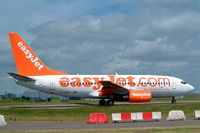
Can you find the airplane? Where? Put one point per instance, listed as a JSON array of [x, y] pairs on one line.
[[34, 74]]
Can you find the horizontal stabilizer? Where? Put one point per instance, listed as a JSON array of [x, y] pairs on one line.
[[20, 77]]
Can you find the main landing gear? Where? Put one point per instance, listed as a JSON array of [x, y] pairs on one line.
[[173, 100], [108, 102], [102, 102]]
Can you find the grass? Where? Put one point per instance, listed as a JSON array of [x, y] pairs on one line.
[[178, 100], [82, 113], [193, 129]]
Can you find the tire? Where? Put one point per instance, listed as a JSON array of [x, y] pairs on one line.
[[173, 101], [110, 102], [102, 102]]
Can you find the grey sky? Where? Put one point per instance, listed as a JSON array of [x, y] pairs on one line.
[[105, 36]]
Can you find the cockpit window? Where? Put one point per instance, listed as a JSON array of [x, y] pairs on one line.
[[183, 82]]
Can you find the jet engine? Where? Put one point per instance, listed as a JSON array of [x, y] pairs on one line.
[[139, 96]]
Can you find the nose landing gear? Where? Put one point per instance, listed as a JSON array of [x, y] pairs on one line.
[[173, 100]]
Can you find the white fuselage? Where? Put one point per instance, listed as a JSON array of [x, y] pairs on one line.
[[87, 85]]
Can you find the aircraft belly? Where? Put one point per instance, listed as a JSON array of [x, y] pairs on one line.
[[161, 92], [75, 92]]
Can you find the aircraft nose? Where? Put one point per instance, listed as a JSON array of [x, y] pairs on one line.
[[190, 88]]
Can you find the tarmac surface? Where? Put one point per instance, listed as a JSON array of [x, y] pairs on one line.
[[57, 125]]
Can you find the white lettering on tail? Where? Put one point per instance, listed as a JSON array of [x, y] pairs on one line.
[[30, 56]]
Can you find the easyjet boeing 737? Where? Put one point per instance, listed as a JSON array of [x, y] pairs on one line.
[[32, 73]]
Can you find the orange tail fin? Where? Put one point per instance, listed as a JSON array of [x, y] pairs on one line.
[[28, 64]]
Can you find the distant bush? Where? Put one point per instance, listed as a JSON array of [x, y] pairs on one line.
[[23, 98], [16, 99]]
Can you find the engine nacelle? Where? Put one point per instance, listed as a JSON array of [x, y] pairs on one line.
[[139, 96]]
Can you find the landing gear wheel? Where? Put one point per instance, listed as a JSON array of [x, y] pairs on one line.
[[173, 100], [102, 102], [110, 102]]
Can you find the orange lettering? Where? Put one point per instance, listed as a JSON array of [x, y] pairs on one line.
[[121, 81], [164, 82], [64, 82], [143, 84], [98, 85], [76, 82], [153, 83], [87, 82], [130, 81]]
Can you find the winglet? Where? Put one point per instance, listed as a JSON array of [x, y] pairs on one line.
[[27, 62]]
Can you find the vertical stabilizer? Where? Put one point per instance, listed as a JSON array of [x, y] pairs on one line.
[[27, 62]]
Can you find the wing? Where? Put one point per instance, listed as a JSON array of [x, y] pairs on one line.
[[116, 89]]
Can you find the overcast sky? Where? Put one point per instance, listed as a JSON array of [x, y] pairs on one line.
[[105, 36]]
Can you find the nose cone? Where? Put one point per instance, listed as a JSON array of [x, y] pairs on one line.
[[190, 88]]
